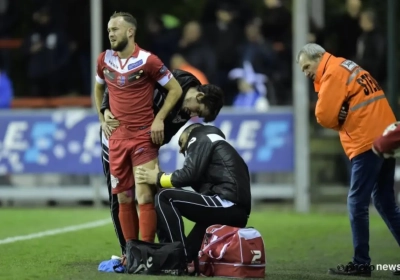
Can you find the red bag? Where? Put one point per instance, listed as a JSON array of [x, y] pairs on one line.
[[232, 252]]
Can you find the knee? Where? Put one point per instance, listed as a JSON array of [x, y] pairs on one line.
[[377, 204], [144, 194], [357, 206], [125, 197], [159, 197]]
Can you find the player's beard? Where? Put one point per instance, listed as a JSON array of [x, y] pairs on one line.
[[120, 46]]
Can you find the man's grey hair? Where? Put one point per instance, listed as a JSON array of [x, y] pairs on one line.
[[312, 51]]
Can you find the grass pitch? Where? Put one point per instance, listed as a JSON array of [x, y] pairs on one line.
[[297, 246]]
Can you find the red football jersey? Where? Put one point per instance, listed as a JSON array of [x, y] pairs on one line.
[[131, 84]]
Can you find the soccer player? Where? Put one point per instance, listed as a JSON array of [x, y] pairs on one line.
[[130, 74], [204, 101]]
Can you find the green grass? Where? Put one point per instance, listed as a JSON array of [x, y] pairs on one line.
[[297, 246]]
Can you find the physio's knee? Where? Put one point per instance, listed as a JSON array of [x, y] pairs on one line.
[[159, 197], [125, 197]]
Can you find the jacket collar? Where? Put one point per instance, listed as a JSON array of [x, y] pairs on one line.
[[321, 70]]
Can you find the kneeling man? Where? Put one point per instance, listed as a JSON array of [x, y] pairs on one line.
[[220, 179]]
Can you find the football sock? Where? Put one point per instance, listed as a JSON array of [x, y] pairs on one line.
[[135, 220], [125, 216], [147, 222]]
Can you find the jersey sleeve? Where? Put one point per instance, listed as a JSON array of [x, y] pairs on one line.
[[158, 71], [99, 68]]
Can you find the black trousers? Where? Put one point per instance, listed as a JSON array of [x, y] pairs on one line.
[[113, 199], [173, 204]]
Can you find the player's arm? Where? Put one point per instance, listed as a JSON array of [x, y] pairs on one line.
[[331, 97], [196, 163], [106, 102], [164, 77], [98, 96], [173, 95], [99, 86]]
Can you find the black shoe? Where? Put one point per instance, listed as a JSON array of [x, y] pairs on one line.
[[351, 269]]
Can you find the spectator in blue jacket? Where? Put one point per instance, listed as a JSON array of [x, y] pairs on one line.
[[6, 89]]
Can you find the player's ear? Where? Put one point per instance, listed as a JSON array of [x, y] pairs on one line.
[[131, 32], [199, 96]]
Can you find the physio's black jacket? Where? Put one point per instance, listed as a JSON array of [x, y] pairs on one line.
[[213, 166]]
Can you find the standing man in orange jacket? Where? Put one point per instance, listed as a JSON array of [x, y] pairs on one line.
[[343, 85]]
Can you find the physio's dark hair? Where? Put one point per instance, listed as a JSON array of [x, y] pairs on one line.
[[213, 99]]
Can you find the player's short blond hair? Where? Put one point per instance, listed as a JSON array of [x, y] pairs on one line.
[[126, 16]]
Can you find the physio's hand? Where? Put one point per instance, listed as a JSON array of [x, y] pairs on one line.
[[157, 131], [144, 175]]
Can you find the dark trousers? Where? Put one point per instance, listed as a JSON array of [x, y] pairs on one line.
[[173, 204], [371, 176], [113, 199]]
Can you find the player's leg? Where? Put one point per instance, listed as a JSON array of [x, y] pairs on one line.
[[145, 154], [113, 199], [121, 184], [147, 215], [384, 198]]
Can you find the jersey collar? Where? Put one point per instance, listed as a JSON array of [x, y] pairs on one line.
[[134, 54]]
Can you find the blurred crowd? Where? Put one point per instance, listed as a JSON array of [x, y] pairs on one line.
[[244, 48]]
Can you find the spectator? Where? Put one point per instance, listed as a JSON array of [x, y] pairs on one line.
[[162, 41], [276, 28], [46, 50], [79, 46], [345, 29], [252, 90], [8, 20], [371, 47], [6, 89], [179, 62], [197, 52], [225, 35], [211, 6]]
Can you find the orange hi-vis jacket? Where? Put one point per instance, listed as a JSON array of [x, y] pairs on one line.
[[339, 80]]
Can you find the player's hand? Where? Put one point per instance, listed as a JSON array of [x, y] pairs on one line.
[[110, 119], [157, 132], [144, 175]]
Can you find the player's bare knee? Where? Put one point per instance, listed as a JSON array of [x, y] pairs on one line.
[[125, 197], [144, 195]]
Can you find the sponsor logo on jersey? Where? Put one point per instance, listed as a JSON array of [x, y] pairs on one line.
[[135, 64]]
